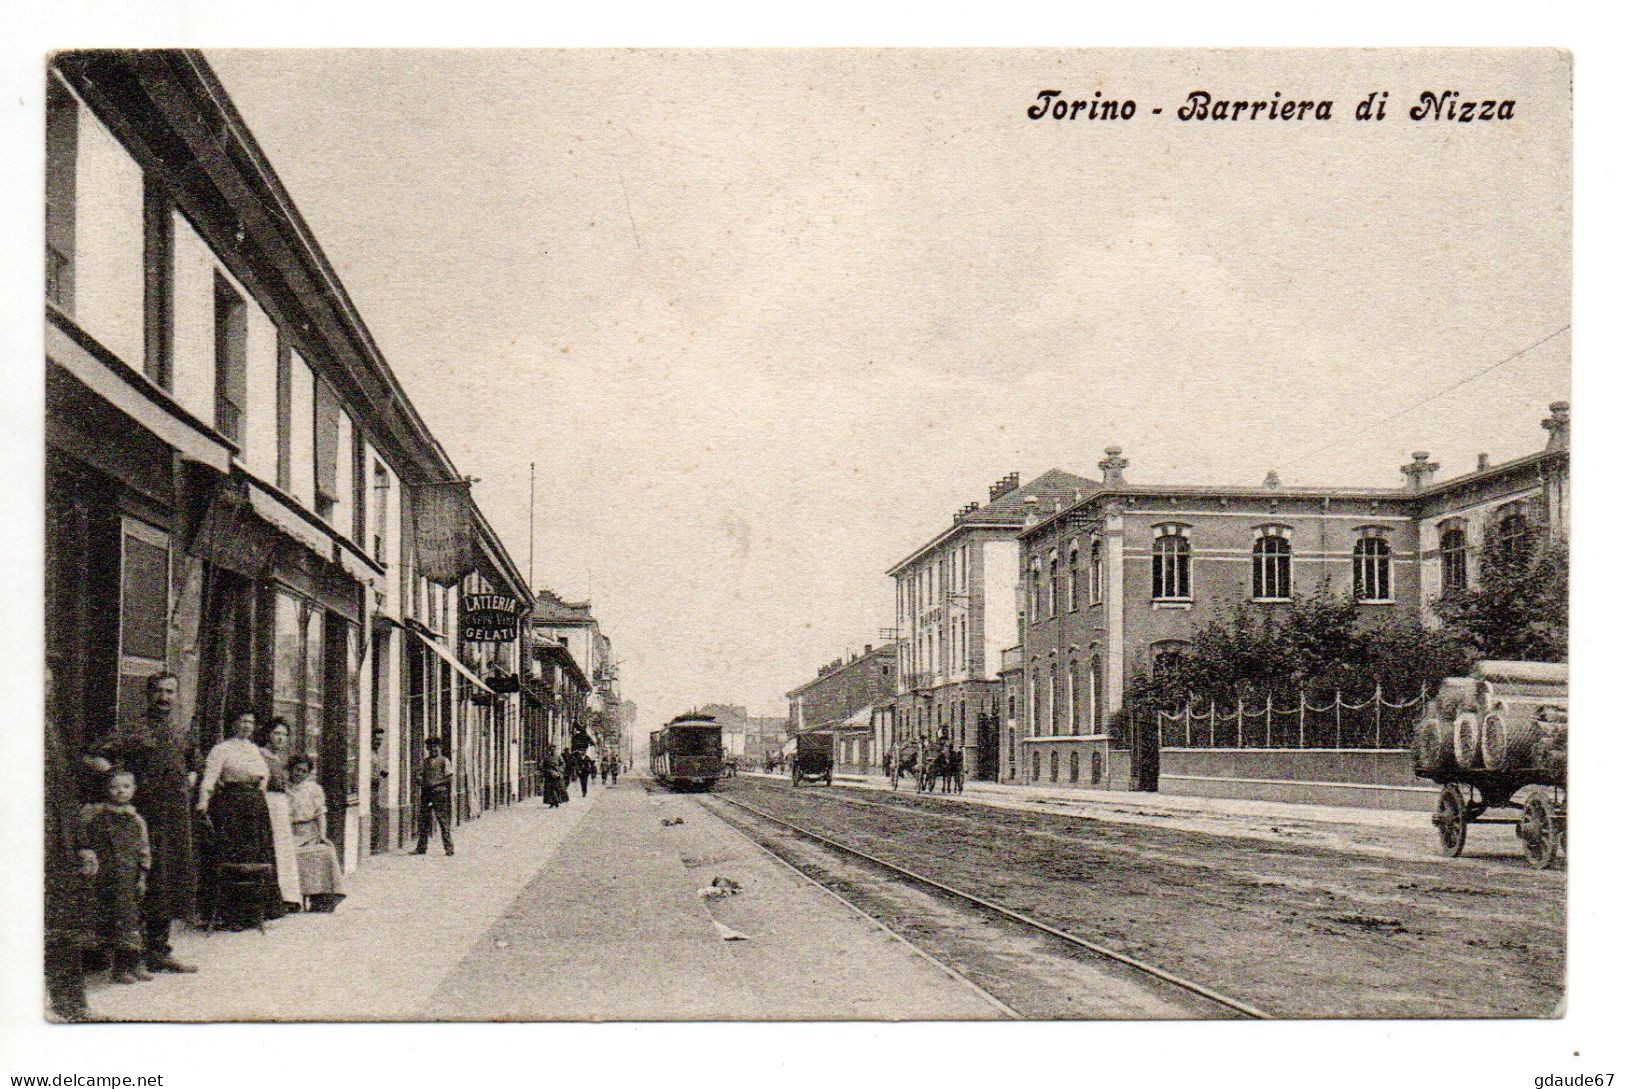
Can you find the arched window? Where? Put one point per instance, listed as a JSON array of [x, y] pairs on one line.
[[1372, 577], [1034, 593], [1054, 766], [1072, 577], [1036, 766], [1097, 690], [1055, 701], [1074, 769], [1095, 572], [1054, 583], [1453, 559], [1272, 563], [1094, 768], [1165, 656], [1171, 564], [1075, 692], [1513, 533]]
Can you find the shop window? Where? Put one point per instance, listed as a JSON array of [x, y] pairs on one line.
[[1453, 559], [1074, 766], [298, 681], [1372, 575], [1171, 564], [1272, 564], [143, 612]]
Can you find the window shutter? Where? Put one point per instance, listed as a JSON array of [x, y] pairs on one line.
[[327, 441]]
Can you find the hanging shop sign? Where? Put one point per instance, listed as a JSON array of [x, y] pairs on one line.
[[443, 531], [490, 618]]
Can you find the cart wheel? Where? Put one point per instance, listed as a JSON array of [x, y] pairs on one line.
[[1451, 820], [1538, 830]]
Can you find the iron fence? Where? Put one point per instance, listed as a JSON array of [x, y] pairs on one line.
[[1272, 722]]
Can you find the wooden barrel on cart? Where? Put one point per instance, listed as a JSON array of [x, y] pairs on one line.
[[1508, 735], [1433, 749], [1466, 739]]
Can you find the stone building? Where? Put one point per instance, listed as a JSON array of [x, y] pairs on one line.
[[1125, 574], [849, 700], [238, 490], [956, 611]]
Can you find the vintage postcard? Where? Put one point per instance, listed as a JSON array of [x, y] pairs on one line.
[[805, 535]]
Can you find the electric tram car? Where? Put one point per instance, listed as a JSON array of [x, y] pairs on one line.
[[686, 753]]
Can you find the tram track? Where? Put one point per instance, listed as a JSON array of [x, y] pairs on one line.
[[1028, 967]]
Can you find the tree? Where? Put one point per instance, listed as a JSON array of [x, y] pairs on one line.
[[1519, 609]]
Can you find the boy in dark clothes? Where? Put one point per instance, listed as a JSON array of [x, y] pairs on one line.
[[116, 835]]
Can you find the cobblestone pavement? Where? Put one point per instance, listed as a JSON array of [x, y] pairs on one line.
[[589, 912]]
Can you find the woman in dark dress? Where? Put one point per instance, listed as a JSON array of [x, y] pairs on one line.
[[232, 794]]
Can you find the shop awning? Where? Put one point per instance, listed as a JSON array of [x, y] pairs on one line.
[[451, 659]]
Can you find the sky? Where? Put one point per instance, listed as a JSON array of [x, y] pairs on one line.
[[764, 320]]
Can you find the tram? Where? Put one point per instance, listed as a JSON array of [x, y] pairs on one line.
[[686, 753]]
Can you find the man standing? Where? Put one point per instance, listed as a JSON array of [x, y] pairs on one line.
[[435, 798], [380, 780], [152, 750]]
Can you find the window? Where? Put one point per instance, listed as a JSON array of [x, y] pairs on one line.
[[1371, 569], [1012, 704], [61, 154], [1036, 767], [1512, 533], [1072, 578], [1095, 768], [1075, 764], [1095, 572], [1054, 714], [380, 506], [1272, 563], [1033, 593], [230, 359], [1075, 697], [143, 612], [1054, 766], [1453, 559], [1054, 583], [1171, 564], [327, 449], [1165, 657], [297, 670], [1097, 693]]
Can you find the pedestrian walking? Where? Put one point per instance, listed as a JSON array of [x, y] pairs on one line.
[[161, 762], [615, 769], [584, 770], [435, 798], [113, 834]]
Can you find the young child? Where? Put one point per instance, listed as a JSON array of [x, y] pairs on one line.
[[114, 836]]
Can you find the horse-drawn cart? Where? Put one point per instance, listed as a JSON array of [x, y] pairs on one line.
[[814, 760], [1498, 740]]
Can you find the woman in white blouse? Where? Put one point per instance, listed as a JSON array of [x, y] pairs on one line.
[[232, 794]]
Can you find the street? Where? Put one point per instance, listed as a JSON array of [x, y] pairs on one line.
[[637, 904]]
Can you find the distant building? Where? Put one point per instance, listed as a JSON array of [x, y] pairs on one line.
[[764, 736], [732, 718], [850, 700], [1121, 578], [571, 624], [957, 611]]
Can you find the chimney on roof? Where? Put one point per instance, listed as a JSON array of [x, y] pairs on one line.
[[1483, 462], [1558, 426], [1272, 480], [1420, 470], [1112, 466], [868, 648], [1007, 484]]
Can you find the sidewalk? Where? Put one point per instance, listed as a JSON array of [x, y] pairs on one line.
[[1386, 832], [406, 922]]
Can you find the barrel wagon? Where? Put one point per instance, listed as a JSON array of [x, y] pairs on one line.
[[1498, 741]]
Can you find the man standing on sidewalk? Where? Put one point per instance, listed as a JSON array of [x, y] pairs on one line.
[[152, 750], [436, 798]]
